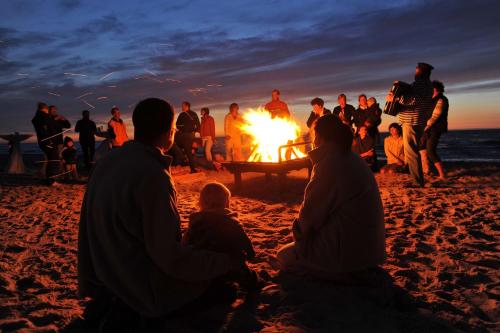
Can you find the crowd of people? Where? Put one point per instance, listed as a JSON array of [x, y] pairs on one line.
[[137, 266], [60, 152], [189, 127], [410, 146]]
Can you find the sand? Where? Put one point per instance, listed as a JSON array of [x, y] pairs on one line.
[[440, 275]]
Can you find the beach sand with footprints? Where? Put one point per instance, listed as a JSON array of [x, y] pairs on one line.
[[441, 273]]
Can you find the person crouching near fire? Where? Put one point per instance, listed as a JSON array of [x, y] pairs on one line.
[[131, 261], [216, 228], [339, 231]]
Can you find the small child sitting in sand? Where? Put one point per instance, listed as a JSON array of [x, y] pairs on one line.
[[216, 228], [69, 156]]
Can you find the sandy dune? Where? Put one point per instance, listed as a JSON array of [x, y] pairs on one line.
[[440, 276]]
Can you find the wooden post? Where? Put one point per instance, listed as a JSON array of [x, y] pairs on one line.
[[237, 179], [282, 180], [268, 177]]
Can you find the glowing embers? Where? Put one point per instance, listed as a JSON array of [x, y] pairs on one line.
[[269, 134]]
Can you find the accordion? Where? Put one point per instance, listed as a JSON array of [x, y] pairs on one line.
[[398, 89]]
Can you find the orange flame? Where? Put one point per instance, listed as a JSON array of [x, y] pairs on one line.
[[268, 134]]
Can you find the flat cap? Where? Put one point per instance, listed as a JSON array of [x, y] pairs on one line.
[[424, 66]]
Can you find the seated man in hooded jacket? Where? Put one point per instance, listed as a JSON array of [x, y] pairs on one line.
[[129, 250]]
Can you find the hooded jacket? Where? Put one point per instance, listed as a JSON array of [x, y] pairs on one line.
[[340, 227], [219, 231], [129, 236]]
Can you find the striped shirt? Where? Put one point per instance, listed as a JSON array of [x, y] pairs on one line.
[[417, 105]]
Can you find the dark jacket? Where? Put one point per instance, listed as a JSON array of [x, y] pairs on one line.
[[45, 126], [87, 130], [218, 231], [359, 117], [129, 235], [188, 122], [371, 117], [348, 112], [360, 146], [69, 155], [441, 124], [313, 116], [61, 124]]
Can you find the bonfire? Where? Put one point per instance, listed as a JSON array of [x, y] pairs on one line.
[[269, 135]]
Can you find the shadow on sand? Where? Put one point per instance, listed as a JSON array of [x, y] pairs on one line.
[[293, 303], [273, 190], [11, 180]]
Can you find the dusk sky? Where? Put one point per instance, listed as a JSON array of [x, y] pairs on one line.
[[215, 53]]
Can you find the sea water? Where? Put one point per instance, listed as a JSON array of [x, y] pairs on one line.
[[463, 145]]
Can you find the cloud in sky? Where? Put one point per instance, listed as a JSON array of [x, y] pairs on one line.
[[306, 49]]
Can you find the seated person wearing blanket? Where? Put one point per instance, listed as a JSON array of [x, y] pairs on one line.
[[340, 226], [216, 228], [130, 256]]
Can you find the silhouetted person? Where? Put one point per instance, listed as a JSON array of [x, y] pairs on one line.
[[69, 157], [215, 227], [417, 106], [187, 125], [340, 225], [276, 107], [46, 130], [61, 124], [130, 258], [435, 127], [87, 130]]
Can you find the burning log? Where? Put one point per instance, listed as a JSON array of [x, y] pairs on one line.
[[280, 168]]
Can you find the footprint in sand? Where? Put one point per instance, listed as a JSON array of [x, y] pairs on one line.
[[13, 325], [27, 282], [43, 318], [13, 248]]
